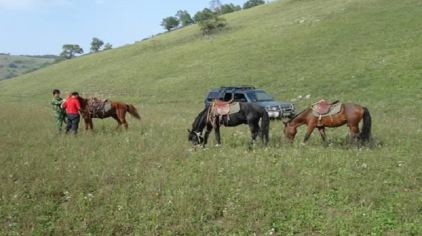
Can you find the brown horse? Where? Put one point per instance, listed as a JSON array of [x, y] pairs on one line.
[[350, 114], [117, 111]]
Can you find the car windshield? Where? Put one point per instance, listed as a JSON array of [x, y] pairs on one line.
[[259, 96]]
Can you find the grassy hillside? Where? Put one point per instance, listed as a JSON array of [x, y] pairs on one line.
[[148, 180], [13, 66]]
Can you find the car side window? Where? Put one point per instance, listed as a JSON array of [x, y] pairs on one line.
[[239, 97], [227, 97], [252, 96]]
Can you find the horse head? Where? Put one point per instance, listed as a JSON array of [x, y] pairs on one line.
[[289, 130], [195, 137]]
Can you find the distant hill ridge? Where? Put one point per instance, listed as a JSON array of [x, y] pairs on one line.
[[12, 66]]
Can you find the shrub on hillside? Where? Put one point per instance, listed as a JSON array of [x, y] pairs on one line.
[[210, 25], [253, 3], [228, 8]]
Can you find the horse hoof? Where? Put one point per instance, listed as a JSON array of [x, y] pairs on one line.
[[218, 145]]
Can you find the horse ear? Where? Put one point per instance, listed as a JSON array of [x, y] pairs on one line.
[[285, 123], [189, 131]]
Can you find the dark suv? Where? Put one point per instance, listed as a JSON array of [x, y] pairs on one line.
[[274, 108]]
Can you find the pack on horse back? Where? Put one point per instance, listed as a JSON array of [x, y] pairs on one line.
[[323, 109], [98, 108], [222, 110]]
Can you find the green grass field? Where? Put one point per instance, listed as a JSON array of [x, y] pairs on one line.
[[13, 66], [148, 180]]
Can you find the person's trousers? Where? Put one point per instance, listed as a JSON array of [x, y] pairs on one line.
[[72, 123]]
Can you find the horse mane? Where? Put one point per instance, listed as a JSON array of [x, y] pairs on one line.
[[200, 120], [298, 114], [82, 101]]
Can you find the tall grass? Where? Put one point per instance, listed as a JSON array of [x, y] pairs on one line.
[[149, 180]]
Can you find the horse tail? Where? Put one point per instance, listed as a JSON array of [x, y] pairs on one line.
[[132, 110], [265, 126], [366, 128]]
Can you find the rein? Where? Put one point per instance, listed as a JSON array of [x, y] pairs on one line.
[[294, 117]]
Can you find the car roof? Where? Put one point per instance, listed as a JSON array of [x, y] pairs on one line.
[[230, 88]]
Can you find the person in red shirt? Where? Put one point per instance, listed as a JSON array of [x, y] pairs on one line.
[[72, 107]]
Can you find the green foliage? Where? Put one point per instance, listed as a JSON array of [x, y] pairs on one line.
[[228, 8], [70, 51], [203, 15], [184, 18], [108, 46], [253, 3], [170, 23], [210, 25], [149, 181], [96, 44]]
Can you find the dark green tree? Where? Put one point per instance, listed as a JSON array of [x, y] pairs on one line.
[[184, 18], [96, 44], [203, 15], [70, 51], [228, 8], [253, 3], [108, 46], [170, 23]]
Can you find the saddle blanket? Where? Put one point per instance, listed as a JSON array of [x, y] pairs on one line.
[[98, 107], [334, 109], [227, 109]]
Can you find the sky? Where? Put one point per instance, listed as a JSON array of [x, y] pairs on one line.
[[39, 27]]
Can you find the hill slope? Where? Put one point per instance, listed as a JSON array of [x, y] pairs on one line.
[[148, 181], [12, 66]]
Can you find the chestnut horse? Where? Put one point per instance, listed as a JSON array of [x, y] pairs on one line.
[[350, 114], [118, 112]]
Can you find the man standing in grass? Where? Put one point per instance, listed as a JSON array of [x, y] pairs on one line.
[[72, 107], [60, 114]]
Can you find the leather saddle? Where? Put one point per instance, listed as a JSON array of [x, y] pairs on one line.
[[324, 108], [98, 107], [223, 108]]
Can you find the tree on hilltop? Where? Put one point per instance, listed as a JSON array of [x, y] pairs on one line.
[[170, 23], [184, 18], [96, 44], [70, 51], [253, 3]]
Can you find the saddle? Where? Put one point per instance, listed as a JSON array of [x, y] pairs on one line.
[[98, 107], [324, 108], [223, 108]]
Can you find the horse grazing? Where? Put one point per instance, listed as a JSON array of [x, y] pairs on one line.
[[324, 114], [116, 110], [212, 118]]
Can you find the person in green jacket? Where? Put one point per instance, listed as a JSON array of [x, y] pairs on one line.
[[60, 115]]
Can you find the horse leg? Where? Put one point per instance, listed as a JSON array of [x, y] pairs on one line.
[[354, 133], [254, 131], [91, 124], [308, 133], [217, 132], [119, 123], [207, 134], [86, 121], [88, 124], [322, 133], [122, 117]]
